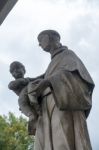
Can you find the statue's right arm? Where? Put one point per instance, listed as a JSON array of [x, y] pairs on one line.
[[16, 84], [12, 85]]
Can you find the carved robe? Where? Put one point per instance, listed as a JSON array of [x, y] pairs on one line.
[[66, 105]]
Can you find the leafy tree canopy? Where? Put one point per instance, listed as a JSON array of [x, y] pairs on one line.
[[14, 134]]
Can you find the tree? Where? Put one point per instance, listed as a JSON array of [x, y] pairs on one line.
[[14, 134]]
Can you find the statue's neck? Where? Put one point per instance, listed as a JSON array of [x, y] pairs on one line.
[[55, 49]]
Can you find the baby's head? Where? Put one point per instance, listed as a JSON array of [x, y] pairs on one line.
[[17, 69]]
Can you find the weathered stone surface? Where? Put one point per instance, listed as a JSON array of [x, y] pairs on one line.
[[65, 95]]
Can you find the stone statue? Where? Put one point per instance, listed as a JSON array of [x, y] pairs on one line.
[[21, 86], [68, 101], [65, 92]]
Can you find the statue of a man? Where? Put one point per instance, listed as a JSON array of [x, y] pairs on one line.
[[66, 92]]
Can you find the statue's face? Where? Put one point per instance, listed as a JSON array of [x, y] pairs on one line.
[[44, 42], [18, 72]]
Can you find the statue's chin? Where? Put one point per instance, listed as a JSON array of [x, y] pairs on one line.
[[19, 76], [47, 49]]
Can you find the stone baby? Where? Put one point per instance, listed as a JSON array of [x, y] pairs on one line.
[[20, 87]]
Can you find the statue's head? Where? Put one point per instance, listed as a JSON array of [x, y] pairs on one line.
[[17, 69], [49, 39]]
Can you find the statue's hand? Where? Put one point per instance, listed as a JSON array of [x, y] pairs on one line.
[[41, 87]]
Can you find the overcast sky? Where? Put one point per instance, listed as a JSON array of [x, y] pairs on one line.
[[77, 21]]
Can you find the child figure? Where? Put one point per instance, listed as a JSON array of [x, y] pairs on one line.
[[17, 70]]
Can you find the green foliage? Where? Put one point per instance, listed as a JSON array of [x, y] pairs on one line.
[[14, 134]]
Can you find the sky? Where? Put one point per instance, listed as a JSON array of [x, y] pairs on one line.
[[77, 21]]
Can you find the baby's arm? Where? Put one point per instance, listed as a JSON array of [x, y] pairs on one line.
[[18, 83], [13, 85]]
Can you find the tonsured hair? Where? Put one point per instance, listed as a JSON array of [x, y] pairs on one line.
[[53, 35]]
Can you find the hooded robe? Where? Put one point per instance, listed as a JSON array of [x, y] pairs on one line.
[[65, 105]]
